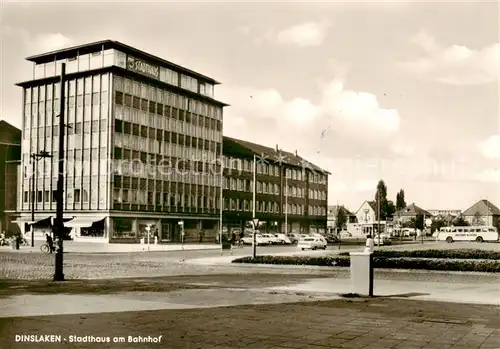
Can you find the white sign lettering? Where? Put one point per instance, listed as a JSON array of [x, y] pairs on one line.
[[142, 67]]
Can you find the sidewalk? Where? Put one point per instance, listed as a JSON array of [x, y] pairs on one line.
[[95, 247], [365, 324]]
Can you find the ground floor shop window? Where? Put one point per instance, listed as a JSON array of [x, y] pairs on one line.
[[95, 231], [123, 228]]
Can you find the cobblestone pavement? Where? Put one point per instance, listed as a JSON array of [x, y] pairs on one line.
[[137, 265], [349, 324]]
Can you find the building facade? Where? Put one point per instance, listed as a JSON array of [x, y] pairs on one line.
[[367, 213], [291, 193], [482, 212], [444, 213], [143, 143], [333, 211], [10, 156]]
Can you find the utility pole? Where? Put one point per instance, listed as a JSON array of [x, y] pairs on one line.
[[286, 203], [35, 157], [378, 218], [221, 198], [58, 227], [254, 219]]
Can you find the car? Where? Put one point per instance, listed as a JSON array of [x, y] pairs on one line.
[[259, 240], [344, 234], [283, 239], [304, 236], [271, 238], [382, 240], [312, 243], [294, 238]]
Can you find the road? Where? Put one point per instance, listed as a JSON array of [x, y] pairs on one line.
[[176, 263]]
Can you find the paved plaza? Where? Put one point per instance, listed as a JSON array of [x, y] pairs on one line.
[[377, 323]]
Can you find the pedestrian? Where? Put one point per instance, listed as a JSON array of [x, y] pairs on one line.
[[50, 242], [369, 244], [202, 234], [233, 238]]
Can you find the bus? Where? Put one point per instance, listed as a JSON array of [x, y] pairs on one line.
[[470, 233]]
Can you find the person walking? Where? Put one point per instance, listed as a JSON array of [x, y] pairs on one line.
[[369, 246], [50, 242]]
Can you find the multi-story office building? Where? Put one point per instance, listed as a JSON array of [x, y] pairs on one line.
[[10, 156], [288, 189], [143, 138]]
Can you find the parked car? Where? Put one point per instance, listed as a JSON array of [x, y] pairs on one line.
[[259, 240], [344, 234], [332, 238], [271, 238], [312, 243], [294, 238], [382, 240], [283, 239], [303, 236]]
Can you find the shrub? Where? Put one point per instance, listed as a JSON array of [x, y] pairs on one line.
[[296, 260], [447, 254], [492, 266]]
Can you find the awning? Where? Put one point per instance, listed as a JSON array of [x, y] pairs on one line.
[[83, 222], [23, 220]]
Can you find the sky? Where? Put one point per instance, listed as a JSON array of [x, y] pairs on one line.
[[403, 91]]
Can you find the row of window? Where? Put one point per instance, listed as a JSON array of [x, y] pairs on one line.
[[173, 120], [267, 167], [108, 58], [152, 146], [163, 98], [186, 147], [152, 172], [87, 85], [72, 196], [262, 187], [142, 197], [271, 207]]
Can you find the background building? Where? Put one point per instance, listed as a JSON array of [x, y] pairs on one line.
[[411, 212], [333, 211], [10, 156], [142, 144], [482, 212], [290, 190]]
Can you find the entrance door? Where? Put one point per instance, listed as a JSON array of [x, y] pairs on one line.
[[166, 233]]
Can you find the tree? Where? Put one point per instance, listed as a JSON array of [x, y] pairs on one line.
[[400, 200], [478, 219], [437, 224], [387, 208], [341, 219], [420, 222], [460, 222]]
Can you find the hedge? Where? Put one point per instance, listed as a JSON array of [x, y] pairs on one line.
[[491, 266], [447, 254]]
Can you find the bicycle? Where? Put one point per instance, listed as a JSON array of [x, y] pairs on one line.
[[45, 248]]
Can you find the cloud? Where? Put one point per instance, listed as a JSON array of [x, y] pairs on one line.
[[490, 148], [366, 185], [489, 176], [346, 118], [46, 42], [454, 65], [302, 35], [338, 187]]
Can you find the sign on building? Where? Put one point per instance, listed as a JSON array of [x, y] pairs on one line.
[[142, 67]]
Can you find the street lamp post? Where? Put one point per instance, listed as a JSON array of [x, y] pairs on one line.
[[59, 223], [148, 229], [35, 156]]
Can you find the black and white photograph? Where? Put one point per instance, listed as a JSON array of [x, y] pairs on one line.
[[250, 174]]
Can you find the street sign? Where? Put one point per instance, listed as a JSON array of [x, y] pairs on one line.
[[181, 223], [255, 222]]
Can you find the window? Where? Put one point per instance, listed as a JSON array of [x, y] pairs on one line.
[[76, 195]]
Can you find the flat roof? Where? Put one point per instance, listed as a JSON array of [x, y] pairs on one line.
[[112, 44]]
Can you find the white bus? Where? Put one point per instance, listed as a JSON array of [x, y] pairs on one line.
[[470, 233]]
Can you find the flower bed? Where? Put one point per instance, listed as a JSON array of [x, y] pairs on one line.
[[491, 266], [446, 254]]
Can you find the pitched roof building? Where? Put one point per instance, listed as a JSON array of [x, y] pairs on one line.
[[411, 211], [482, 212]]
